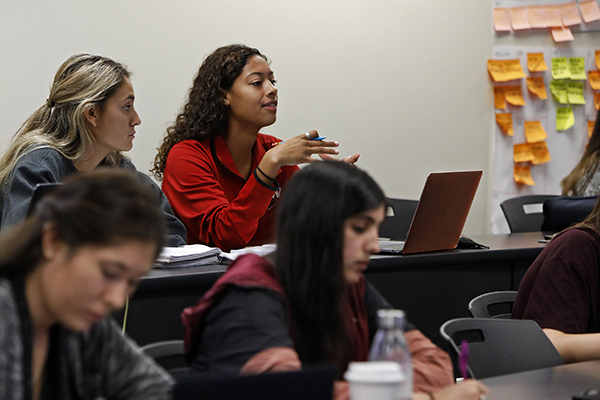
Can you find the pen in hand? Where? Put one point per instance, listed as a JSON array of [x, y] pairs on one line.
[[463, 359]]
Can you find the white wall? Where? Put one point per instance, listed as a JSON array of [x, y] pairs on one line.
[[403, 82]]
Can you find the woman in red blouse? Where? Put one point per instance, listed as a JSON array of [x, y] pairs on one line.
[[222, 177]]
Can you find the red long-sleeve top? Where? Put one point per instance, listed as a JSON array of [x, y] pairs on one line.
[[217, 205]]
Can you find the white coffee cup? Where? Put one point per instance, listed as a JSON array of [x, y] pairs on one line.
[[374, 380]]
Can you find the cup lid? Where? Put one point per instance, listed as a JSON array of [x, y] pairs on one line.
[[374, 371]]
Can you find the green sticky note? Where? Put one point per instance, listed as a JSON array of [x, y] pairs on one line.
[[564, 118], [575, 92], [560, 68], [559, 91], [577, 68]]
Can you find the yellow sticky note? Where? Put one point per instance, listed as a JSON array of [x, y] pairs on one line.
[[590, 125], [540, 152], [518, 16], [504, 120], [577, 68], [505, 70], [499, 100], [562, 34], [560, 68], [537, 87], [522, 152], [522, 175], [589, 10], [597, 58], [559, 91], [535, 62], [553, 17], [570, 14], [534, 131], [565, 119], [501, 19], [594, 77], [537, 16], [575, 93], [597, 101], [514, 95]]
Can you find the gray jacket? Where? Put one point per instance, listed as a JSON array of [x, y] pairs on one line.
[[45, 164], [98, 364]]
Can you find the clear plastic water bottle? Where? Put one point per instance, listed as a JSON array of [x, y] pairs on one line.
[[390, 345]]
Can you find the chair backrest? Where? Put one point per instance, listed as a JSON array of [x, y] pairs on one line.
[[169, 354], [399, 217], [524, 213], [493, 304], [563, 211], [501, 346]]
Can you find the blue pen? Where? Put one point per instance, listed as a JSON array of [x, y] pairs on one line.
[[316, 138], [463, 359]]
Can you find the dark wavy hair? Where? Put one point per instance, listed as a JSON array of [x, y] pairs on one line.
[[309, 260], [578, 179], [204, 116], [105, 207]]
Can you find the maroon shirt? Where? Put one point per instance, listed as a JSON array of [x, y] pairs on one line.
[[560, 289]]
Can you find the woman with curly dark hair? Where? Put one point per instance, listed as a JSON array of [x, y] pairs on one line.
[[221, 176]]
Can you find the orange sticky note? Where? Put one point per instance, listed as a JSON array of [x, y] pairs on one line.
[[518, 16], [534, 131], [562, 34], [553, 17], [504, 120], [514, 95], [540, 152], [591, 127], [499, 100], [597, 57], [522, 175], [537, 16], [522, 152], [536, 62], [537, 87], [597, 101], [589, 10], [501, 19], [505, 70], [594, 77], [570, 14]]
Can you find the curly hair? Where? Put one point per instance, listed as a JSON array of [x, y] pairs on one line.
[[204, 116]]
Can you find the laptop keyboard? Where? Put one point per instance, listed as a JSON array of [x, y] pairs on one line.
[[391, 246]]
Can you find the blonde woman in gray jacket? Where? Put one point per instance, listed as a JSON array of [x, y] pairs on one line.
[[63, 271]]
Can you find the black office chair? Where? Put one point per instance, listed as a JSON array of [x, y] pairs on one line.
[[400, 216], [562, 211], [501, 346], [524, 213], [493, 304], [169, 355]]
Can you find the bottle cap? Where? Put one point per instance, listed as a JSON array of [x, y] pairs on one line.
[[388, 319]]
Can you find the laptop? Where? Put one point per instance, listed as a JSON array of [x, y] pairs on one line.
[[441, 214], [314, 383]]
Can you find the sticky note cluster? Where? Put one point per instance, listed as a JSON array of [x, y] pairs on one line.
[[556, 18]]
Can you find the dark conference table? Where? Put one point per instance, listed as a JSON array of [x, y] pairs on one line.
[[430, 287], [557, 383]]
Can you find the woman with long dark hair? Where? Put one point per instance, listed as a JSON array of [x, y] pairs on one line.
[[220, 174], [310, 303], [584, 179], [63, 271], [88, 119]]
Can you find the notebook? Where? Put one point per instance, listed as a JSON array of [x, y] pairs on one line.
[[441, 214], [314, 383]]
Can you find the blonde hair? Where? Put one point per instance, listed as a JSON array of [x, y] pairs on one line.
[[82, 81]]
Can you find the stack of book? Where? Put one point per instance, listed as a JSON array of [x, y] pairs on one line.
[[191, 255]]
